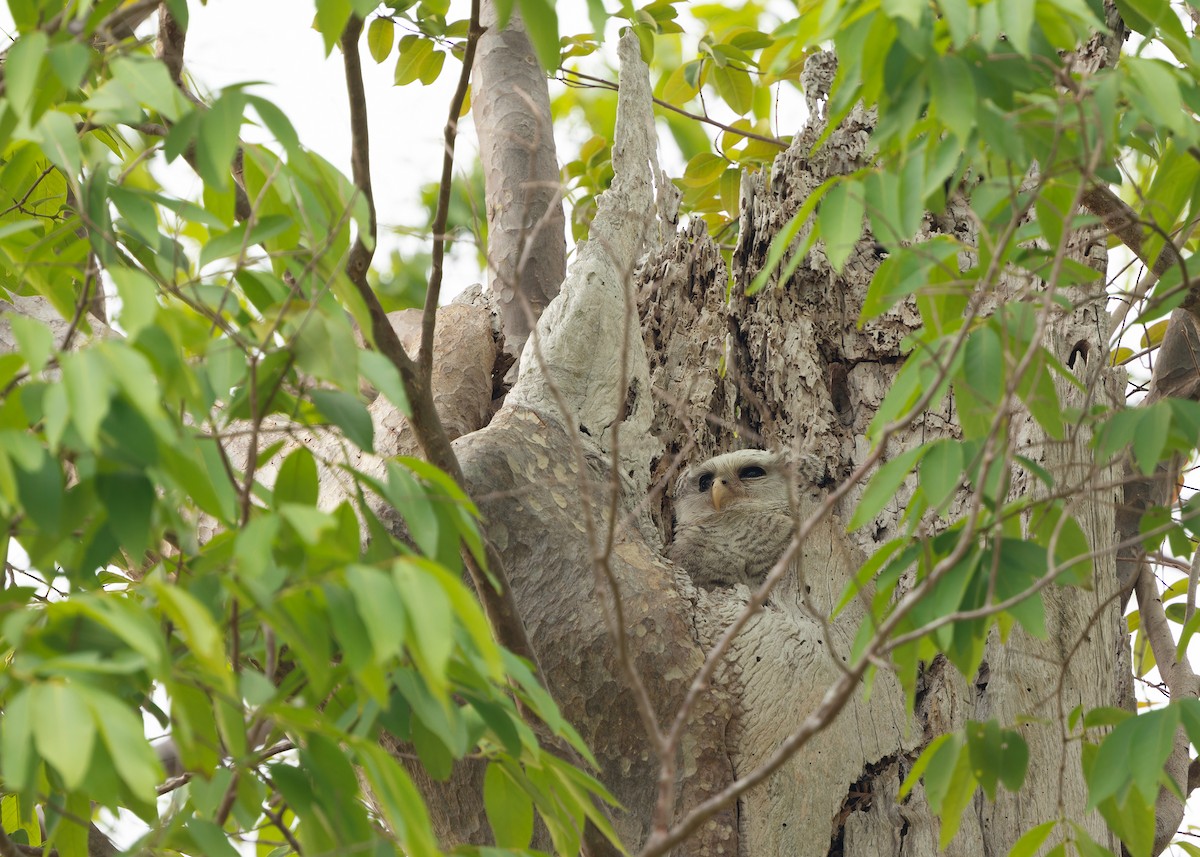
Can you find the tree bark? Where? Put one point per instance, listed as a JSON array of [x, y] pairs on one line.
[[526, 247]]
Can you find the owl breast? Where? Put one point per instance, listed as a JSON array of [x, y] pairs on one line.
[[733, 547]]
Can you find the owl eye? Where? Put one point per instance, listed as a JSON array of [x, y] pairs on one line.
[[752, 472], [705, 482]]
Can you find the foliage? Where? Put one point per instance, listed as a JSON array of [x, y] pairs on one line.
[[180, 565], [181, 568]]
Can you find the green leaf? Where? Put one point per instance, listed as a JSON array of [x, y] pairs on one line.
[[409, 499], [67, 826], [431, 640], [983, 745], [1158, 86], [22, 71], [414, 52], [941, 471], [70, 62], [236, 241], [60, 141], [433, 753], [894, 202], [88, 387], [220, 126], [381, 35], [509, 808], [597, 16], [1107, 716], [13, 819], [1019, 565], [138, 211], [34, 340], [398, 800], [125, 736], [348, 627], [138, 294], [1133, 754], [277, 122], [784, 237], [541, 22], [704, 169], [16, 741], [385, 377], [1054, 210], [309, 523], [1014, 759], [1071, 550], [430, 69], [884, 485], [1133, 820], [735, 86], [954, 97], [197, 626], [39, 481], [1151, 437], [129, 499], [297, 481], [906, 10], [331, 19], [381, 609], [679, 90], [63, 730], [983, 364], [841, 220], [347, 413], [210, 838], [150, 82], [1085, 845], [950, 786], [133, 624], [1032, 840], [1016, 18]]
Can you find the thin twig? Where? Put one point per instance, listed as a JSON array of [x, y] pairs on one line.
[[442, 214], [277, 820], [750, 135], [360, 151]]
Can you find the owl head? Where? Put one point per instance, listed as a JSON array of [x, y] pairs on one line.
[[748, 480]]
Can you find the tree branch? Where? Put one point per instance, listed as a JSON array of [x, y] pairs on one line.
[[433, 292], [169, 48], [360, 151], [526, 247], [497, 600]]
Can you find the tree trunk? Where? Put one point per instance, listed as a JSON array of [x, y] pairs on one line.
[[787, 368], [526, 247]]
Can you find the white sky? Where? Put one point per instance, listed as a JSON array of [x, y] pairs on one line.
[[234, 41]]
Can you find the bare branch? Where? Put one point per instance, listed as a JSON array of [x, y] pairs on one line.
[[442, 214], [705, 118], [360, 151]]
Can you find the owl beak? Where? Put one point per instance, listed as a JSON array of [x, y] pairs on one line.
[[720, 494]]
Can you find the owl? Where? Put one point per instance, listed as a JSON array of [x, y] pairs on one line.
[[733, 518]]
